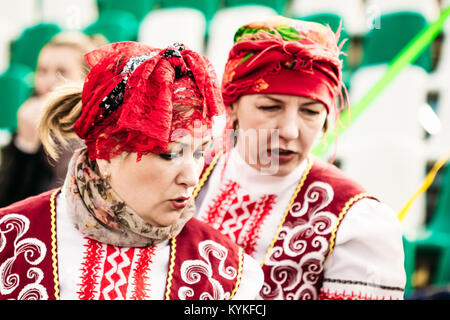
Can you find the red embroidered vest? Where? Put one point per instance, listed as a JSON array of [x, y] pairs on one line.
[[293, 264], [203, 263], [293, 267], [208, 266], [27, 240]]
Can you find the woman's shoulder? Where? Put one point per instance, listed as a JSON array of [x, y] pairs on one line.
[[335, 176], [28, 234], [30, 205]]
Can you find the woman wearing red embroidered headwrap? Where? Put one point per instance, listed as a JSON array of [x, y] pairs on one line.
[[121, 227], [316, 233]]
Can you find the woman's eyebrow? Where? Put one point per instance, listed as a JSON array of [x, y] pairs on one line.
[[273, 99], [308, 103], [182, 145]]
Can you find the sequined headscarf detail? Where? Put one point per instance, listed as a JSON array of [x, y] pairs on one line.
[[133, 95]]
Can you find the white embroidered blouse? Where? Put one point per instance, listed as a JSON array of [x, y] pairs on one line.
[[367, 260], [89, 270]]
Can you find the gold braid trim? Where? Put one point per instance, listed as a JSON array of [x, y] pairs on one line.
[[300, 184], [239, 275], [171, 267], [53, 237], [347, 206], [206, 175]]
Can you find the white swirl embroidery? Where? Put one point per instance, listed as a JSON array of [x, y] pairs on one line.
[[193, 270], [302, 236], [316, 191], [33, 251]]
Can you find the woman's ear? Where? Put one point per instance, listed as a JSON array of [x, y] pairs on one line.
[[232, 114], [325, 126]]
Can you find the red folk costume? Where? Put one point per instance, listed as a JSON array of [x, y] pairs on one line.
[[316, 233], [83, 241]]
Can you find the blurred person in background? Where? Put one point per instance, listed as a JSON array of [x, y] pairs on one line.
[[25, 169], [121, 227], [316, 233]]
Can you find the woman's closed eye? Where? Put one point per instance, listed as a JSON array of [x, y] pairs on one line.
[[269, 108], [309, 111]]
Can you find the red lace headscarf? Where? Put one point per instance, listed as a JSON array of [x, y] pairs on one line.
[[135, 97], [284, 56]]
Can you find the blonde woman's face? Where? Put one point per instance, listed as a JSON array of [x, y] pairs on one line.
[[57, 65], [158, 187], [277, 132]]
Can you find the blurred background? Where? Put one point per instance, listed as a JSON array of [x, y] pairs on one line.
[[389, 149]]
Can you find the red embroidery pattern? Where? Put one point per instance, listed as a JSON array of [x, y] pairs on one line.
[[262, 209], [116, 272], [90, 270], [141, 289], [221, 203], [236, 216], [328, 295], [107, 272]]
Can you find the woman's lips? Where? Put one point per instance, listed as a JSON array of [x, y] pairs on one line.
[[180, 202], [284, 155]]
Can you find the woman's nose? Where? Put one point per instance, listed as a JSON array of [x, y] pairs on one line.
[[189, 172], [288, 127]]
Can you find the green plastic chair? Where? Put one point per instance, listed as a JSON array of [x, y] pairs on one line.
[[396, 30], [278, 5], [16, 85], [207, 7], [436, 237], [25, 49], [139, 8], [115, 26]]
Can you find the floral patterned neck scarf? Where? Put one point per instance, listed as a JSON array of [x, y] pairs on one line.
[[98, 213]]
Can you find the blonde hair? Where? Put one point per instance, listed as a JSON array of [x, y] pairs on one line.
[[63, 107], [59, 115], [79, 42]]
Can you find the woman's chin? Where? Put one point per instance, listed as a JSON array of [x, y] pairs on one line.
[[281, 167], [165, 220]]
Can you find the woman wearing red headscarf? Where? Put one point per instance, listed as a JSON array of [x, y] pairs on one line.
[[316, 233], [121, 227]]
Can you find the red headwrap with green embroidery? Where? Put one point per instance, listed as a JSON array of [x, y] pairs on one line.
[[284, 56]]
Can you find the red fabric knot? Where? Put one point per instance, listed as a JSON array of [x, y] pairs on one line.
[[163, 90]]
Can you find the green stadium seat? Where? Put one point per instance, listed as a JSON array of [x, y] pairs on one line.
[[207, 7], [139, 8], [278, 5], [435, 237], [16, 85], [381, 45], [331, 19], [334, 20], [440, 222], [115, 26], [25, 49]]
